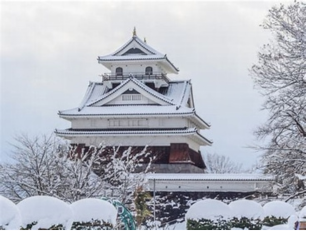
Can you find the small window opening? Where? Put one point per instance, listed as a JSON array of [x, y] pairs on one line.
[[119, 71], [148, 71]]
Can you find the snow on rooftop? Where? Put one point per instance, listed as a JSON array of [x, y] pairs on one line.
[[93, 91], [87, 209], [205, 176], [134, 41], [135, 57], [46, 211], [129, 110], [177, 93], [10, 218], [209, 209], [247, 208], [278, 209]]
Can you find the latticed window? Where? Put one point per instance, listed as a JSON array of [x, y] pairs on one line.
[[148, 70], [119, 71], [131, 97]]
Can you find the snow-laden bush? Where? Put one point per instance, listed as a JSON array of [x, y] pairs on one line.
[[208, 215], [277, 212], [93, 214], [44, 212], [9, 215], [246, 214]]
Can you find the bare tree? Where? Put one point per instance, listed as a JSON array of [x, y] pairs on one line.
[[280, 75], [221, 164]]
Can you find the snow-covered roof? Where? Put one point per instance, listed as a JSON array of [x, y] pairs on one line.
[[142, 132], [127, 110], [209, 177], [10, 218], [142, 52], [89, 209], [278, 209], [209, 209], [46, 211], [174, 99], [137, 83]]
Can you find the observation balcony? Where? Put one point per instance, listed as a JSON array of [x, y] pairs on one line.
[[137, 75]]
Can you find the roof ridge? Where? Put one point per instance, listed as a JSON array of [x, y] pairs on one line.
[[87, 95], [151, 91], [109, 93]]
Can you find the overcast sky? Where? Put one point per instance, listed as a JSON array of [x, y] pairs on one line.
[[49, 52]]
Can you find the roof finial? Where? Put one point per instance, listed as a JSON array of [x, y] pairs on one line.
[[145, 40], [134, 32]]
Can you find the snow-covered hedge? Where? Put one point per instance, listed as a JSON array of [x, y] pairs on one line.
[[209, 215], [277, 213], [44, 212], [93, 214], [10, 218], [243, 214], [246, 214]]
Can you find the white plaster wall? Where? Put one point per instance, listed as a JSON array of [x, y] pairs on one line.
[[138, 67], [209, 186], [130, 122], [134, 140]]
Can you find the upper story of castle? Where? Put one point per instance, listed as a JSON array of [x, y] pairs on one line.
[[137, 59]]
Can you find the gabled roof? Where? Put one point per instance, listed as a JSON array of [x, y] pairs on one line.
[[136, 49], [139, 85], [136, 42], [170, 101]]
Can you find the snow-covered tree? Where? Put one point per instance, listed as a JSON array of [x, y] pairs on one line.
[[47, 166], [125, 171], [280, 75], [221, 164], [39, 167]]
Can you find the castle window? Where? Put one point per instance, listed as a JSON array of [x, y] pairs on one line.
[[148, 70], [131, 97], [119, 71]]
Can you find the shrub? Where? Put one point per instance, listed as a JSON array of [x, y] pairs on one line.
[[92, 225], [246, 223], [273, 221], [208, 224]]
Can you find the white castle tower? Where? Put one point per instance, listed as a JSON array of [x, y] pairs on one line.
[[135, 105]]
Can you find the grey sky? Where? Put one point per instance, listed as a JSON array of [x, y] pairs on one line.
[[49, 51]]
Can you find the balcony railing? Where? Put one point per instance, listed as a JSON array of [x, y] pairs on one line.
[[139, 76]]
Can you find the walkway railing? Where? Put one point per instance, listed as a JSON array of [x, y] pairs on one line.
[[139, 76]]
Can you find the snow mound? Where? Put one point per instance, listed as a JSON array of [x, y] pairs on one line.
[[46, 211], [246, 208], [209, 209], [277, 227], [10, 218], [302, 214], [278, 209], [87, 209]]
